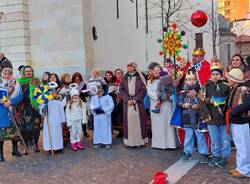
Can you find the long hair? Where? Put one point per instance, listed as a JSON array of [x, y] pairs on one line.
[[242, 65], [113, 79], [57, 80], [76, 74], [80, 102]]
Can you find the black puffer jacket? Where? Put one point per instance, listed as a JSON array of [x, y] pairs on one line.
[[219, 89]]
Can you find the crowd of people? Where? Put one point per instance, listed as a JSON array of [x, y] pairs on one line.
[[191, 104]]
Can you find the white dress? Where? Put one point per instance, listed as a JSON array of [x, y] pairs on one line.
[[56, 116], [102, 122], [163, 136]]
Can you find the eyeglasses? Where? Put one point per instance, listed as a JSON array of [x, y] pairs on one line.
[[195, 55], [128, 65]]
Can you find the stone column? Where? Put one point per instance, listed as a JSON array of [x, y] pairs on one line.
[[14, 31]]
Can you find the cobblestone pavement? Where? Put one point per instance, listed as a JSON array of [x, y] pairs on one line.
[[204, 174], [119, 165]]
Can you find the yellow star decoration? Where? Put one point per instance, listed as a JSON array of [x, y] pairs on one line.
[[172, 43]]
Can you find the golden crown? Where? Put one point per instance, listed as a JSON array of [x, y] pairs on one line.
[[199, 52], [215, 66]]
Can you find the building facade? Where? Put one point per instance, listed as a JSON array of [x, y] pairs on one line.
[[66, 36], [234, 9]]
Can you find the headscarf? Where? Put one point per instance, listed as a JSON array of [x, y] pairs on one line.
[[32, 82]]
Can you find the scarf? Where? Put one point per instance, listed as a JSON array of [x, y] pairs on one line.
[[29, 81]]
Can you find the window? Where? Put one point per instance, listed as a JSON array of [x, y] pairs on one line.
[[199, 40]]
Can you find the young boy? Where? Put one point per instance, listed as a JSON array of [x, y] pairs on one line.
[[190, 119], [102, 106], [239, 105], [216, 93]]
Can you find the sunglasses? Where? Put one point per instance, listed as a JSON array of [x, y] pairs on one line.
[[128, 65], [195, 55]]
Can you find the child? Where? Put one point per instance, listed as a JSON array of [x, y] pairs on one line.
[[75, 116], [102, 106], [216, 92], [190, 120], [239, 106], [55, 116]]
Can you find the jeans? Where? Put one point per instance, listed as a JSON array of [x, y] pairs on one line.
[[221, 146], [189, 141]]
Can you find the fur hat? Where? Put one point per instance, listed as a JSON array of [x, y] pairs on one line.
[[74, 92], [236, 75]]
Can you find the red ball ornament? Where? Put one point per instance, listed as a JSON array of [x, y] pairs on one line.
[[199, 18], [161, 53], [174, 25]]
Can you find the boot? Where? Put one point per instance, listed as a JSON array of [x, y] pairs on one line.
[[1, 152], [85, 132], [15, 151], [36, 139]]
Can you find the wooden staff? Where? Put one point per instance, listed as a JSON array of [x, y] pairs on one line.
[[18, 132], [50, 138]]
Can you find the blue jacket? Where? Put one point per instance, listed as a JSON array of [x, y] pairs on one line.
[[4, 112]]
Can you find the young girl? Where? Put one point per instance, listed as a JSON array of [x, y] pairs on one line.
[[75, 116], [52, 129]]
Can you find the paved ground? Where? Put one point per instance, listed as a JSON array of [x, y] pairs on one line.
[[119, 165]]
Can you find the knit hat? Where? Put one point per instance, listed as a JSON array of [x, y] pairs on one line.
[[216, 67], [236, 75], [74, 92]]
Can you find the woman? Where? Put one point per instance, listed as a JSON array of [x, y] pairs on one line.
[[118, 76], [45, 78], [95, 81], [29, 117], [118, 125], [163, 136], [110, 79], [14, 95], [237, 61], [78, 79]]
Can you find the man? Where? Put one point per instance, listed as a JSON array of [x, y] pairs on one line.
[[239, 105], [132, 92], [4, 63], [201, 68]]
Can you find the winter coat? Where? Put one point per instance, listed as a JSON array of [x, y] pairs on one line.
[[219, 89], [76, 113], [190, 117], [239, 103]]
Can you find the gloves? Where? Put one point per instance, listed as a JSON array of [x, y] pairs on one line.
[[99, 111]]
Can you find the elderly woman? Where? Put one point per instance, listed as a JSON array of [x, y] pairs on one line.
[[94, 81], [132, 92], [27, 111], [13, 92]]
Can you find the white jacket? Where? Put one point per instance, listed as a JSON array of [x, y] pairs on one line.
[[76, 113]]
